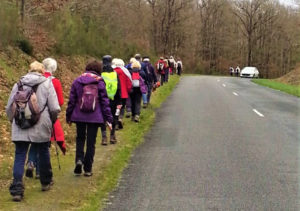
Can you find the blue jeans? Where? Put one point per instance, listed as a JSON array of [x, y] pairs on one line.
[[34, 158], [150, 86], [44, 165], [144, 98]]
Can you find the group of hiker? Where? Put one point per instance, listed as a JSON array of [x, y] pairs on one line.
[[99, 97], [235, 71]]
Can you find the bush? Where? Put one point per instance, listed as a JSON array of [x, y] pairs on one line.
[[9, 28], [25, 46], [81, 35]]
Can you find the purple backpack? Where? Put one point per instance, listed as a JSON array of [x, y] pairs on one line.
[[89, 99]]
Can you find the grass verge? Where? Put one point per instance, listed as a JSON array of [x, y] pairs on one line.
[[80, 193], [290, 89]]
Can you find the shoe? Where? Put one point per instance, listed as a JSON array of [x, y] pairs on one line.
[[17, 198], [113, 139], [29, 170], [37, 176], [120, 124], [46, 187], [88, 174], [104, 141], [128, 114], [78, 168], [136, 118], [145, 105]]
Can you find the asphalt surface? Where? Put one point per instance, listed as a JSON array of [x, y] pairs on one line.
[[218, 143]]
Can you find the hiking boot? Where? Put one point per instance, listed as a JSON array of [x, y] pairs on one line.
[[17, 198], [120, 124], [78, 168], [88, 174], [29, 170], [128, 114], [104, 141], [113, 139], [16, 189], [136, 118], [46, 187]]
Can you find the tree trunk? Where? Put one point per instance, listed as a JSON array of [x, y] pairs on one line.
[[22, 10]]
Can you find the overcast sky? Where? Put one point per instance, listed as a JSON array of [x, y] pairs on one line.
[[288, 2]]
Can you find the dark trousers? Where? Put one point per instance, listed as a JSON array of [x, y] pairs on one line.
[[162, 79], [167, 72], [136, 97], [44, 161], [113, 108], [179, 71], [122, 112], [86, 132], [128, 104]]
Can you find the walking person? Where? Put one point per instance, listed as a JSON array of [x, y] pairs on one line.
[[113, 90], [237, 71], [179, 67], [58, 133], [32, 108], [138, 89], [160, 70], [152, 79], [88, 108], [126, 86], [128, 101], [166, 70]]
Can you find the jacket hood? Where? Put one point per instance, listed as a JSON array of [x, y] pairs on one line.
[[87, 79], [33, 78]]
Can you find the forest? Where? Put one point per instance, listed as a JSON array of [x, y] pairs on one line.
[[208, 35]]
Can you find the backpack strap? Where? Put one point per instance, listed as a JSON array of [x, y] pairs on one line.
[[96, 77], [20, 86]]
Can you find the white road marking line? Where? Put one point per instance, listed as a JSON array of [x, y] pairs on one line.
[[258, 113], [224, 85], [236, 94]]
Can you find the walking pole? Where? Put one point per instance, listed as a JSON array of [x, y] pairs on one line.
[[57, 155]]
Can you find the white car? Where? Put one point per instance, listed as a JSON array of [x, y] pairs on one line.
[[249, 72]]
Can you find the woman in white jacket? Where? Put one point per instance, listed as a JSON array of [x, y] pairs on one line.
[[38, 134]]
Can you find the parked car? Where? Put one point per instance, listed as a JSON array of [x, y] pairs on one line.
[[249, 72]]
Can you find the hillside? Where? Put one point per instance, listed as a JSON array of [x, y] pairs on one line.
[[13, 64], [292, 78]]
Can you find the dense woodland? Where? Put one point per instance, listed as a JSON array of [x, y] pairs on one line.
[[208, 35]]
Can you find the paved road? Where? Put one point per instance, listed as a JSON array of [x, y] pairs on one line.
[[217, 144]]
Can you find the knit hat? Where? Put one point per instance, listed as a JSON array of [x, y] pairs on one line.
[[137, 56], [50, 65], [146, 60], [37, 67], [106, 60]]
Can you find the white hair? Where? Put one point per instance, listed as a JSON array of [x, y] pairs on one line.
[[50, 65], [118, 63]]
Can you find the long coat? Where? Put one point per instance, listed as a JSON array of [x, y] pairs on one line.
[[46, 95]]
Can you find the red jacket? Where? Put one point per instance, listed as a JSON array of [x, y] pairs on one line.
[[58, 130], [125, 82], [157, 66]]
